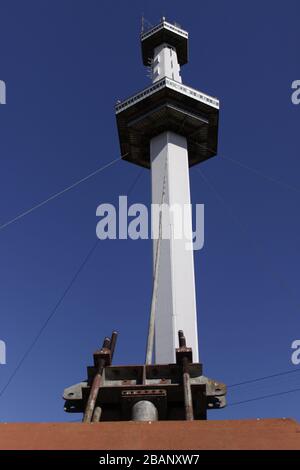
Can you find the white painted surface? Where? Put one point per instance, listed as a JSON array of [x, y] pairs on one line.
[[176, 303], [165, 64]]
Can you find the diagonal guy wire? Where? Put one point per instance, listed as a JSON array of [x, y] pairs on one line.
[[54, 196]]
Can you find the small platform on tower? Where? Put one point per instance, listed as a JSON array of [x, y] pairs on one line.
[[165, 32]]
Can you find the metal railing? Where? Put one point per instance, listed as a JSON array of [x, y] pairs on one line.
[[168, 82], [164, 24]]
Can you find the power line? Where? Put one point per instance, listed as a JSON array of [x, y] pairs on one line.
[[263, 397], [135, 181], [50, 316], [222, 200], [258, 379], [58, 303], [253, 170], [151, 326], [237, 220], [54, 196], [263, 175]]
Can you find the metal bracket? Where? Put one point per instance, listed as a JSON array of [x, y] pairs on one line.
[[172, 388]]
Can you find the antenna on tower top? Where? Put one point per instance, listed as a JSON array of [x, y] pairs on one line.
[[143, 23], [146, 25]]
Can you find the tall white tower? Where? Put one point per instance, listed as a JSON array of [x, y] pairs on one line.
[[168, 127]]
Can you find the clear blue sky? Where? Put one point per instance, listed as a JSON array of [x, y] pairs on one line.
[[65, 64]]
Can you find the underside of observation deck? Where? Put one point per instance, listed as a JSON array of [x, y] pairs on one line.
[[168, 106]]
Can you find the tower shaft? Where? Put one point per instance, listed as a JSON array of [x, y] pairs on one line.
[[169, 127], [165, 64], [176, 303]]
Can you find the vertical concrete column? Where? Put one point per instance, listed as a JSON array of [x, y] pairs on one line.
[[176, 299]]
